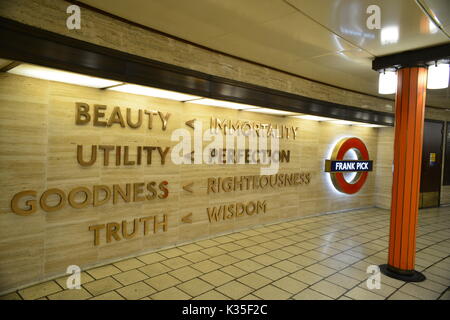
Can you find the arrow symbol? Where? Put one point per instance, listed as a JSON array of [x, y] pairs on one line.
[[188, 187], [190, 123], [187, 218]]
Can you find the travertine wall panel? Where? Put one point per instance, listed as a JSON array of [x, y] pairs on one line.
[[38, 146]]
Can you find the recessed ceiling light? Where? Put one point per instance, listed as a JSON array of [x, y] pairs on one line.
[[343, 122], [387, 82], [45, 73], [438, 76], [271, 111], [369, 125], [314, 118], [153, 92], [222, 104], [389, 35]]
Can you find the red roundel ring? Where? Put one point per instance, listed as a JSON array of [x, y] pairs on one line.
[[339, 151]]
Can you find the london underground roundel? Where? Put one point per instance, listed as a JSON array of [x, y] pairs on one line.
[[337, 166]]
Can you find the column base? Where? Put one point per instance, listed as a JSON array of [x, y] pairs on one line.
[[407, 276]]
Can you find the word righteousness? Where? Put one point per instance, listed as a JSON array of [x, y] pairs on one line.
[[25, 203], [240, 183]]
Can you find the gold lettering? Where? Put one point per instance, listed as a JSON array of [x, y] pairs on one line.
[[30, 203], [82, 115], [96, 230]]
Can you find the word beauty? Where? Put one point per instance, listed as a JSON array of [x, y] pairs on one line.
[[84, 114], [337, 166]]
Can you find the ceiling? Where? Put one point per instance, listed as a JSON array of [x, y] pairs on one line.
[[324, 40]]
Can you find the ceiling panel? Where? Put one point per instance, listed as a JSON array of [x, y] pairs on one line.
[[324, 40], [195, 20], [281, 41], [403, 25]]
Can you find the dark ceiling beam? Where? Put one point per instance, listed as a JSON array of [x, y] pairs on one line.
[[24, 43], [412, 58]]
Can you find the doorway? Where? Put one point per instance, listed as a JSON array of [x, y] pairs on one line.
[[431, 170]]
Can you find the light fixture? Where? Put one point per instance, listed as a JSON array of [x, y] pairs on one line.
[[222, 104], [389, 35], [387, 82], [369, 125], [153, 92], [432, 27], [343, 122], [45, 73], [311, 117], [270, 111], [438, 75]]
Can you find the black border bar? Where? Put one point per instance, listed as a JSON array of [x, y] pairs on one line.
[[413, 58]]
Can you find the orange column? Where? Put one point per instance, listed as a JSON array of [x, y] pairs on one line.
[[409, 121]]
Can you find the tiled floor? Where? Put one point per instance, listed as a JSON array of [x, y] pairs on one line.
[[323, 257]]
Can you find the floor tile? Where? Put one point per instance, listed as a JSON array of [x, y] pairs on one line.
[[287, 266], [171, 253], [321, 270], [249, 265], [235, 290], [195, 287], [129, 277], [196, 256], [176, 263], [309, 294], [224, 259], [217, 278], [185, 273], [234, 271], [306, 277], [103, 272], [343, 280], [40, 290], [171, 294], [136, 291], [329, 289], [272, 293], [98, 287], [154, 269], [290, 285], [211, 295], [129, 264], [272, 272], [151, 258], [112, 295], [70, 294], [265, 259], [84, 278], [419, 292], [362, 294], [254, 280], [11, 296], [206, 266], [401, 296], [162, 282]]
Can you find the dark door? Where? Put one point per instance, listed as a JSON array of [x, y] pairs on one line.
[[430, 180]]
